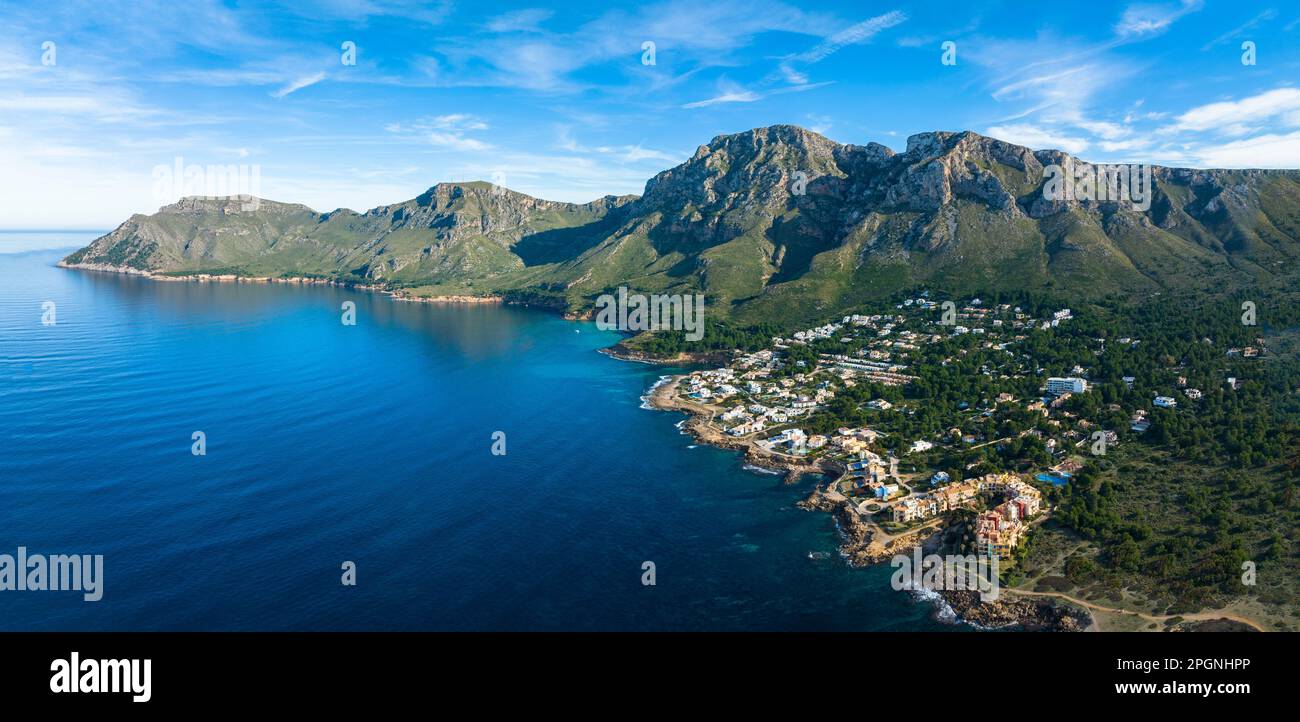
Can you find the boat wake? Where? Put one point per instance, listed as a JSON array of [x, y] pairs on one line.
[[761, 470]]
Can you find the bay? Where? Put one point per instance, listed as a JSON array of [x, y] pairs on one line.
[[372, 443]]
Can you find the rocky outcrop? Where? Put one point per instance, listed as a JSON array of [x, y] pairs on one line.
[[864, 544], [1035, 615]]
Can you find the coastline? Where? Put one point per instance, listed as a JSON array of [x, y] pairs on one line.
[[621, 352], [397, 295], [864, 544], [663, 397]]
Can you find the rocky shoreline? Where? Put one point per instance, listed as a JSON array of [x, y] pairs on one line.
[[861, 547], [397, 295], [1032, 615], [621, 352], [663, 397]]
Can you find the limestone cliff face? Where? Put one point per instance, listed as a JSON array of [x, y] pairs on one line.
[[762, 221]]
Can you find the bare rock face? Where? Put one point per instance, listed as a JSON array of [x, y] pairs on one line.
[[1032, 615]]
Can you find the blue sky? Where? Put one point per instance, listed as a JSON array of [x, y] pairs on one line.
[[559, 103]]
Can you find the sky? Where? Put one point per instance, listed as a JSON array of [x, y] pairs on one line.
[[110, 108]]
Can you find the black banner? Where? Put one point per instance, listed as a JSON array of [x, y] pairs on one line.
[[203, 671]]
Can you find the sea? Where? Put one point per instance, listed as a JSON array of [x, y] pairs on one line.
[[464, 467]]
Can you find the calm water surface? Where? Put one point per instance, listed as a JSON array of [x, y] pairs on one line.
[[372, 443]]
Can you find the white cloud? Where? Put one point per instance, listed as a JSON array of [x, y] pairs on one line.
[[852, 35], [731, 96], [1237, 32], [635, 153], [1234, 115], [299, 84], [102, 106], [1050, 79], [1265, 151], [520, 21], [796, 78], [820, 124], [428, 12], [1060, 96], [445, 131], [1105, 129], [455, 141], [1152, 18], [1038, 138], [1117, 146], [792, 76], [462, 121], [626, 153], [696, 33]]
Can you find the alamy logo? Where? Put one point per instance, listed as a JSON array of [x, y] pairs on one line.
[[1121, 183], [56, 573], [103, 676], [212, 182], [953, 573], [655, 312]]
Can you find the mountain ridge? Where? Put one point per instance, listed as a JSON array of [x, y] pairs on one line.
[[775, 220]]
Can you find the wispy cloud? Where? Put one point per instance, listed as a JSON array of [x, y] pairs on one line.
[[558, 97], [520, 21], [852, 35], [687, 35], [625, 153], [299, 84], [445, 131], [1235, 117], [1270, 150], [1038, 138], [1240, 30], [424, 12], [1145, 19], [733, 94], [820, 124], [793, 70]]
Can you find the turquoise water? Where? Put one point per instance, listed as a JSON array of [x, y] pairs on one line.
[[372, 443], [1057, 479]]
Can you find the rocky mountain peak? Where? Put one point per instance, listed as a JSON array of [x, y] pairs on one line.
[[190, 205], [755, 167], [762, 218]]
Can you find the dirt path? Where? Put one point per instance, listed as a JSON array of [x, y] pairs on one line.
[[1198, 616]]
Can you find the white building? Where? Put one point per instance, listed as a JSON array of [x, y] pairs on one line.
[[1070, 384]]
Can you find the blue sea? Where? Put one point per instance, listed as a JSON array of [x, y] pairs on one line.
[[372, 444]]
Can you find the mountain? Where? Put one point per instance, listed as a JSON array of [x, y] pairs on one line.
[[451, 232], [775, 222]]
